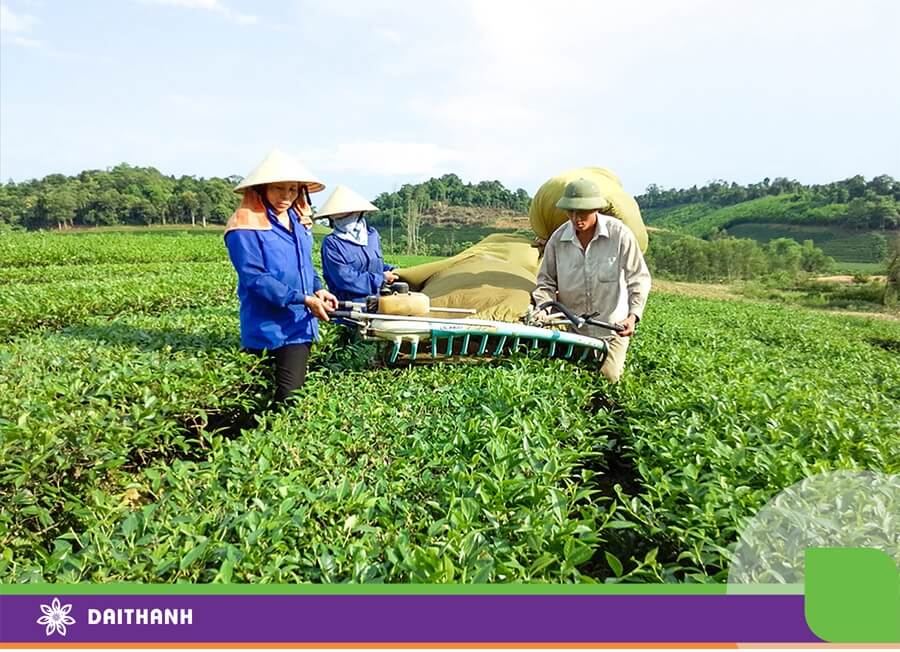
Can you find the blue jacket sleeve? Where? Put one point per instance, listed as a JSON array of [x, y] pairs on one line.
[[384, 266], [246, 255], [344, 278], [316, 279]]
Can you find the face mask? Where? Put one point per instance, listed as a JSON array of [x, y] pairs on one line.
[[346, 221], [352, 228]]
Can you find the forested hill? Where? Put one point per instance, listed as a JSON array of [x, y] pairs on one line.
[[123, 194], [430, 197], [853, 203], [127, 194], [132, 195]]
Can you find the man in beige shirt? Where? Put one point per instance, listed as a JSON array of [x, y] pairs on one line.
[[593, 264]]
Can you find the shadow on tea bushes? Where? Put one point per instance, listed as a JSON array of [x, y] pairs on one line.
[[439, 474]]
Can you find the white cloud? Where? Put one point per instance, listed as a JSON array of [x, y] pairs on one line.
[[189, 4], [384, 159], [489, 110], [513, 166], [243, 19], [412, 162], [209, 5], [187, 104], [538, 44], [542, 86], [659, 91], [15, 23], [388, 35], [13, 26], [346, 9], [23, 41]]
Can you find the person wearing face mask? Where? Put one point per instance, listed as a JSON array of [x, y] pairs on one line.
[[269, 241], [352, 263], [592, 264]]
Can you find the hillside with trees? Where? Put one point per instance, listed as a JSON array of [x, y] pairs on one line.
[[122, 195], [718, 232], [439, 197], [852, 203], [853, 219], [723, 258], [142, 196]]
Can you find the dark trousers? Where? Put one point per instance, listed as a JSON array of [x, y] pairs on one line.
[[290, 368]]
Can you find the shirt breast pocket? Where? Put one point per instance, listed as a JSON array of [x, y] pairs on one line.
[[607, 269]]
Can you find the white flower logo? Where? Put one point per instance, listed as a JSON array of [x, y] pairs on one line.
[[56, 617]]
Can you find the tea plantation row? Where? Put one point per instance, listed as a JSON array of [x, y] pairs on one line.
[[135, 445]]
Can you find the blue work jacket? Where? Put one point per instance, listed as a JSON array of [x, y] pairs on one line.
[[275, 273], [353, 271]]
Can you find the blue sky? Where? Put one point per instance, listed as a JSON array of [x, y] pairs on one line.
[[378, 93]]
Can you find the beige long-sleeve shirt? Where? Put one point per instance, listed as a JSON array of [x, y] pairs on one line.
[[609, 276]]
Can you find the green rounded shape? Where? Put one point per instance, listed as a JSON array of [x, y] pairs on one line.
[[582, 195]]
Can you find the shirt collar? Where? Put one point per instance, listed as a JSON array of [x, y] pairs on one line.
[[292, 216], [600, 230]]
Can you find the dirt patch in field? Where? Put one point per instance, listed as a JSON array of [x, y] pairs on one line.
[[886, 316], [724, 292], [701, 290], [514, 222], [846, 278], [440, 215]]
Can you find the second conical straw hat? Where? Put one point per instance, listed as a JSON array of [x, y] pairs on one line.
[[344, 200]]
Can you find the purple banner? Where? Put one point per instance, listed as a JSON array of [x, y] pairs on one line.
[[404, 619]]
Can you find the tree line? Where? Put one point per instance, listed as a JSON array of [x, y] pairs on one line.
[[781, 260], [120, 195], [133, 195], [730, 259], [142, 196], [854, 202], [723, 193], [411, 200]]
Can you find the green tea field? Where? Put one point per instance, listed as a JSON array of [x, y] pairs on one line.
[[134, 445]]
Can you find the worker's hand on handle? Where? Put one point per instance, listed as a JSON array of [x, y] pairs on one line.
[[628, 325], [540, 317], [331, 301], [316, 306], [390, 277]]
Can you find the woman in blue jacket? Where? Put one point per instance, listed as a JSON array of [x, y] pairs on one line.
[[270, 245], [352, 263]]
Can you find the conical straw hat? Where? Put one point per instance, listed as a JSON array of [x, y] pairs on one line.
[[344, 200], [277, 167]]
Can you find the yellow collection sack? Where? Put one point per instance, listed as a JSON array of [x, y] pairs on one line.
[[495, 277], [546, 217]]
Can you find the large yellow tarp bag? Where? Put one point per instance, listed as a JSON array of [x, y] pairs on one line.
[[545, 217], [495, 277]]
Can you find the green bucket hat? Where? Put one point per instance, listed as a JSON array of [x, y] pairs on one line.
[[582, 195]]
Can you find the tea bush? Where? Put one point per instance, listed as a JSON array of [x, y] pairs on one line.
[[136, 444]]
